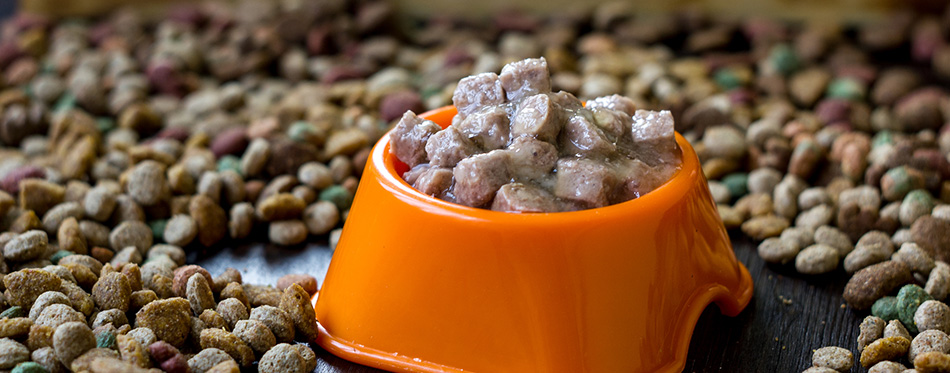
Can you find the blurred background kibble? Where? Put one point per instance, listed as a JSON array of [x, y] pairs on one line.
[[133, 139]]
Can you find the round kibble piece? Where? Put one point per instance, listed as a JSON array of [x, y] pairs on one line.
[[199, 294], [131, 233], [71, 340], [26, 246], [321, 217], [833, 357], [887, 367], [256, 335], [12, 353], [307, 282], [232, 310], [180, 230], [932, 362], [15, 327], [932, 315], [168, 318], [55, 315], [817, 259], [182, 274], [112, 291], [871, 283], [46, 299], [277, 320], [287, 232], [296, 302], [229, 343], [207, 358], [938, 283], [929, 340], [146, 183], [909, 298], [282, 359]]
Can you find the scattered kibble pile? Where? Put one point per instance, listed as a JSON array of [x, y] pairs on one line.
[[127, 143]]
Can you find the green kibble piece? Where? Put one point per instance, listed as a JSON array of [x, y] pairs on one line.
[[338, 195], [727, 79], [229, 162], [105, 124], [60, 255], [29, 367], [908, 299], [882, 138], [885, 308], [737, 183], [12, 313], [783, 59], [920, 196], [105, 339], [845, 88], [158, 228], [302, 131], [65, 103]]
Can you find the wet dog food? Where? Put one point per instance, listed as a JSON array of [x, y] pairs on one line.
[[517, 146]]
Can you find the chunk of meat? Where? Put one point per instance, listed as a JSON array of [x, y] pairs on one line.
[[447, 147], [566, 101], [585, 181], [408, 141], [614, 123], [413, 173], [476, 91], [518, 197], [614, 102], [487, 128], [525, 78], [580, 137], [654, 141], [538, 118], [531, 159], [638, 178], [434, 182], [478, 177]]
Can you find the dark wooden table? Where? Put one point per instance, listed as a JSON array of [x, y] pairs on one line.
[[789, 316]]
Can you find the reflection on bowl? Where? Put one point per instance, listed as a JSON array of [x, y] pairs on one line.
[[421, 284]]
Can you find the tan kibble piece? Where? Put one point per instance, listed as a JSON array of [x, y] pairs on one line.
[[15, 327], [228, 276], [833, 357], [131, 233], [83, 363], [40, 195], [24, 286], [938, 283], [84, 276], [211, 220], [12, 353], [933, 314], [887, 367], [133, 272], [280, 206], [320, 217], [282, 359], [168, 318], [309, 358], [895, 328], [26, 246], [55, 315], [162, 286], [256, 335], [71, 340], [762, 227], [108, 364], [199, 294], [227, 366], [112, 291], [144, 336], [229, 343], [46, 299], [287, 232], [80, 299], [884, 349], [932, 362], [47, 358], [277, 320], [206, 359], [182, 274], [262, 295], [296, 302], [307, 282], [132, 351], [70, 237], [236, 291], [212, 319], [232, 310], [180, 230], [242, 220], [175, 253], [929, 340], [146, 183], [40, 336], [113, 316]]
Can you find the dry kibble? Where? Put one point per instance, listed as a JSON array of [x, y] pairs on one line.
[[24, 286], [887, 367], [199, 293], [55, 216], [833, 237], [206, 359], [83, 362], [12, 353], [182, 274], [307, 282], [296, 302], [236, 291], [929, 340], [57, 314], [321, 217], [884, 349], [287, 232], [277, 320], [232, 310], [932, 314], [229, 366], [144, 336], [817, 259], [26, 246], [283, 358], [180, 230], [210, 218], [131, 351], [229, 343], [833, 357], [71, 340], [46, 358], [15, 327], [113, 316], [46, 299], [228, 276], [40, 336], [70, 237], [762, 227], [146, 183], [256, 335], [112, 291], [280, 206], [894, 328], [173, 252], [932, 362], [874, 282], [915, 257], [168, 318], [212, 319], [242, 220], [99, 203], [938, 284]]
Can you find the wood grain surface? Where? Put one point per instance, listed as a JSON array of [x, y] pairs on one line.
[[789, 316]]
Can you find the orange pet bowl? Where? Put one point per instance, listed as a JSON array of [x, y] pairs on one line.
[[420, 284]]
